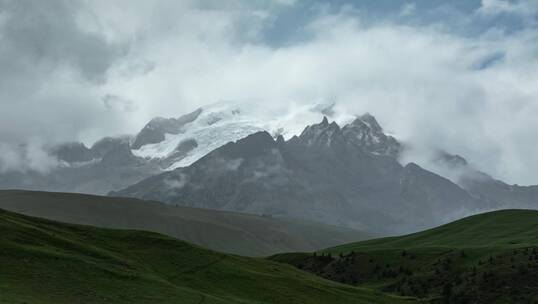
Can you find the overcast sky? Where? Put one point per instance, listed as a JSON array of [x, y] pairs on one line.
[[459, 75]]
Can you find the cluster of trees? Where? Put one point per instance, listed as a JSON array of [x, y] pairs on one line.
[[454, 277]]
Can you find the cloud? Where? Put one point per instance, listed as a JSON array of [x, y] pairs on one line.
[[177, 183], [107, 67], [10, 159], [29, 157], [48, 35], [234, 164], [221, 165], [118, 103], [52, 68]]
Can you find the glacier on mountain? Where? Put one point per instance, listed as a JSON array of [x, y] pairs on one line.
[[223, 122]]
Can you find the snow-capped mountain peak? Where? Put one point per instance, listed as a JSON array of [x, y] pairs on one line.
[[179, 142], [322, 134], [366, 132]]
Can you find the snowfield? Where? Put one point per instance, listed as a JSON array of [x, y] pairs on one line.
[[227, 121]]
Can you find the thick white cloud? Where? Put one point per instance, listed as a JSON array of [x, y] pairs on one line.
[[30, 156], [472, 95]]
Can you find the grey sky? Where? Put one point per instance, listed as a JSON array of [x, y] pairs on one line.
[[458, 75]]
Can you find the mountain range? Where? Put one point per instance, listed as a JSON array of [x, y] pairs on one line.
[[163, 144], [347, 176], [229, 157]]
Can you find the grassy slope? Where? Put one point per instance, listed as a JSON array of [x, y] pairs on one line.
[[48, 262], [487, 258], [218, 230], [505, 228]]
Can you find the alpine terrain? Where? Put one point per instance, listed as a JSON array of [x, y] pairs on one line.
[[347, 176]]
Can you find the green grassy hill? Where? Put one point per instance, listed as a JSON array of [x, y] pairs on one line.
[[230, 232], [505, 228], [49, 262], [486, 258]]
